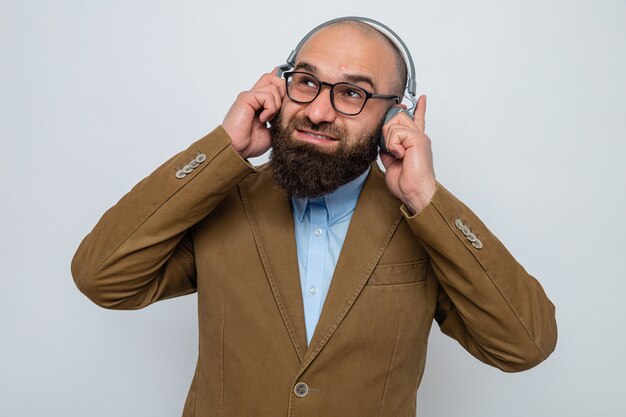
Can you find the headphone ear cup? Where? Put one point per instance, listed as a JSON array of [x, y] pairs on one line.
[[390, 114]]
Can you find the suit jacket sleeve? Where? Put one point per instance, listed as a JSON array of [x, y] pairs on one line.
[[141, 249], [487, 301]]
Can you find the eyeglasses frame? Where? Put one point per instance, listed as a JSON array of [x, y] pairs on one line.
[[368, 94]]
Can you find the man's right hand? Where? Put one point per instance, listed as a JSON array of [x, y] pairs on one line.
[[245, 121]]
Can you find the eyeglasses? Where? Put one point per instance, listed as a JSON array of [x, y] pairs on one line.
[[345, 98]]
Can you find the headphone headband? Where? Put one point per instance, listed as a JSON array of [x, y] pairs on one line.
[[411, 86]]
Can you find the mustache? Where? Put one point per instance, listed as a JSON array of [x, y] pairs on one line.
[[324, 128]]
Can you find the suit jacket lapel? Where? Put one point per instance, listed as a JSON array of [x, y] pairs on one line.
[[269, 212], [373, 223]]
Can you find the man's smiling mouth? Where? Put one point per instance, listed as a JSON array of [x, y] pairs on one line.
[[315, 136]]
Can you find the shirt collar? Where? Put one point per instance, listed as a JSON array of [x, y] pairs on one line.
[[338, 203]]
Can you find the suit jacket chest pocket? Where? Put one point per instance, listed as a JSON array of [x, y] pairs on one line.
[[399, 274]]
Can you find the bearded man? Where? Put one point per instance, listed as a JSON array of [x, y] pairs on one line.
[[318, 275]]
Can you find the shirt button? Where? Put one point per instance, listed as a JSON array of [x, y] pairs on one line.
[[317, 232], [313, 290]]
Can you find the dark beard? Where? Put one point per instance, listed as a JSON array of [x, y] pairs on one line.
[[305, 171]]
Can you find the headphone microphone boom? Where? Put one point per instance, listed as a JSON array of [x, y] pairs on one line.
[[410, 86]]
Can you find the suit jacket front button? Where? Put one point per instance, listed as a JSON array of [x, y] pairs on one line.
[[301, 389]]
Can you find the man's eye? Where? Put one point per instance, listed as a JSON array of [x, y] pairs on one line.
[[353, 93], [307, 82]]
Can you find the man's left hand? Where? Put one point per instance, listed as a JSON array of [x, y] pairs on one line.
[[410, 175]]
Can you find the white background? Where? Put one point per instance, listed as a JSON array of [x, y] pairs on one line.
[[526, 111]]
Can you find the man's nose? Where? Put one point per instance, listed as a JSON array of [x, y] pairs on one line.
[[321, 109]]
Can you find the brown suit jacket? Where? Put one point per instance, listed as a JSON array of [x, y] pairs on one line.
[[226, 232]]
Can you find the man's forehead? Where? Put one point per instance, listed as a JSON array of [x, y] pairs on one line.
[[343, 51]]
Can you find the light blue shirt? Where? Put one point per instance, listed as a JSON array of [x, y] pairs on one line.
[[321, 225]]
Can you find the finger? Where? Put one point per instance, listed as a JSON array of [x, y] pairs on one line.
[[271, 79], [387, 160], [263, 101], [264, 80], [397, 138], [396, 119], [275, 91], [276, 86], [420, 113], [278, 82], [388, 135], [267, 114], [405, 120], [402, 139]]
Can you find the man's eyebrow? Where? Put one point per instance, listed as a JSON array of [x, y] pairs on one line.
[[351, 78], [358, 78], [303, 65]]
